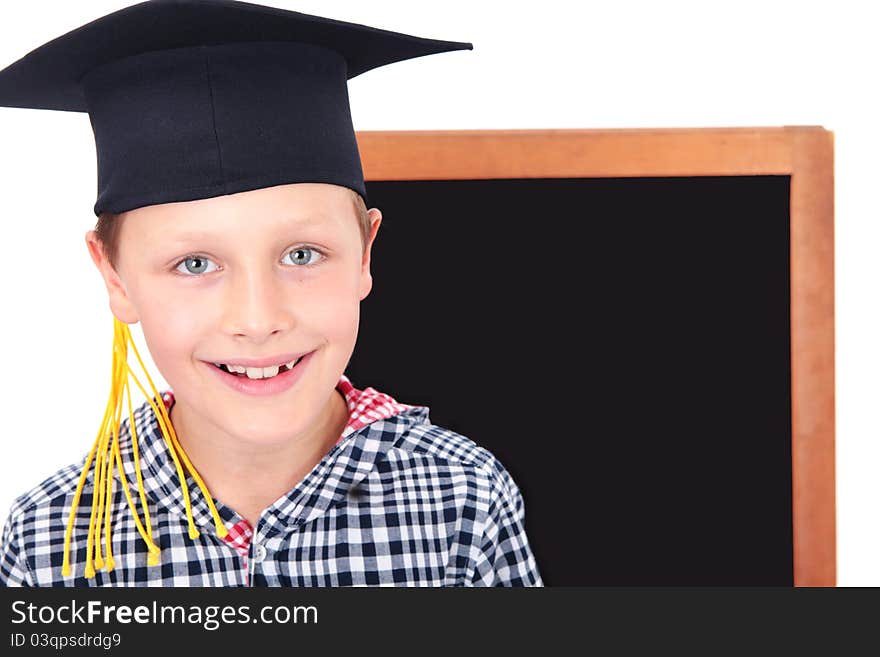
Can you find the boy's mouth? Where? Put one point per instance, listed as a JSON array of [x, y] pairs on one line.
[[258, 372], [261, 380]]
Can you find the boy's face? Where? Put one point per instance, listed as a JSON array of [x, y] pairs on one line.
[[274, 271]]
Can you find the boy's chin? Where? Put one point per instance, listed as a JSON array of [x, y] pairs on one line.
[[259, 433]]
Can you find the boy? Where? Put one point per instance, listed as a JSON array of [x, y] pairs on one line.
[[233, 228]]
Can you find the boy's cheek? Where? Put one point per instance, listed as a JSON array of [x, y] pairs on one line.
[[170, 323], [318, 302], [321, 318]]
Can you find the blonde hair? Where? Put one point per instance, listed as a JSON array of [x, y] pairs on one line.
[[107, 228]]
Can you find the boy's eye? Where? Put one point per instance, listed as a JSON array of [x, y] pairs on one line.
[[194, 265], [301, 255]]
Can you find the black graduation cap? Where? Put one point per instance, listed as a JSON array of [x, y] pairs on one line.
[[190, 99]]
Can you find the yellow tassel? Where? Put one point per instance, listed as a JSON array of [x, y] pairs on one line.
[[98, 506], [175, 447], [105, 453]]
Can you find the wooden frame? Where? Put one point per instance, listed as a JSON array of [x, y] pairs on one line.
[[805, 153]]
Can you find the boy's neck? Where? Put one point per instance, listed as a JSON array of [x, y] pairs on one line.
[[247, 482]]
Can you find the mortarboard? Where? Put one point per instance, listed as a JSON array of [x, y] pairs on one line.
[[191, 99]]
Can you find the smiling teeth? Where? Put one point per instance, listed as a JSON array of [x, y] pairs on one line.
[[260, 372]]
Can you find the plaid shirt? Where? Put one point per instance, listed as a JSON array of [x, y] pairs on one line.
[[397, 501]]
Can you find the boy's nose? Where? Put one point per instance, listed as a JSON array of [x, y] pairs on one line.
[[255, 305]]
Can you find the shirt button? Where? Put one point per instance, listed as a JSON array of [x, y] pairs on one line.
[[259, 553]]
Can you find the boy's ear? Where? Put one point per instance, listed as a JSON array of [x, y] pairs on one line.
[[366, 276], [120, 304]]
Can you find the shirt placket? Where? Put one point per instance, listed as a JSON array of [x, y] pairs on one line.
[[239, 537]]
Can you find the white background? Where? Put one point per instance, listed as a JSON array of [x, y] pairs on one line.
[[549, 64]]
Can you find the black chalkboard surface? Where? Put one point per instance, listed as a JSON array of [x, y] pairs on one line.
[[622, 345]]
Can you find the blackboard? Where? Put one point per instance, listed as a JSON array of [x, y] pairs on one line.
[[622, 345], [679, 284]]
